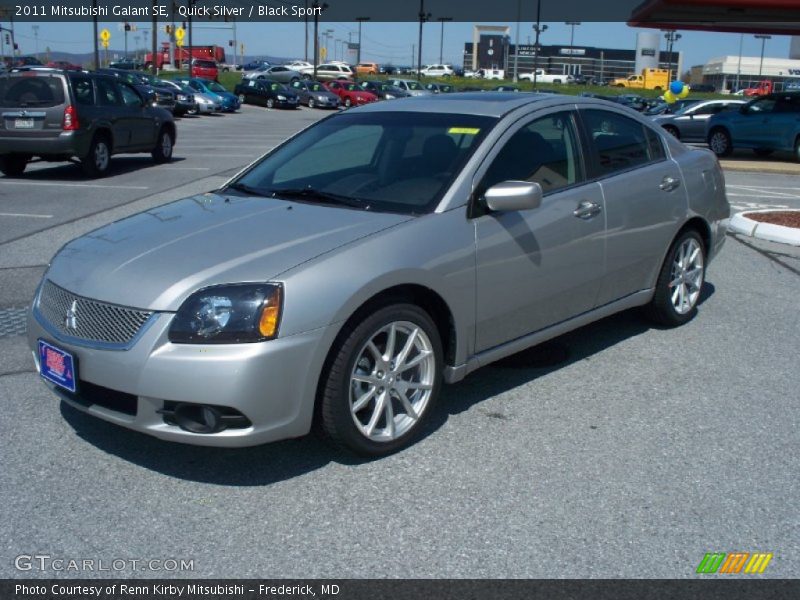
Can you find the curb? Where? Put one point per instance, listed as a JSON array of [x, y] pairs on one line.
[[760, 167], [740, 224]]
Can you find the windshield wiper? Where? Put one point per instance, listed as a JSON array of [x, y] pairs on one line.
[[310, 193], [243, 187]]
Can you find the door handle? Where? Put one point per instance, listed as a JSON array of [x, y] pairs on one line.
[[669, 183], [587, 210]]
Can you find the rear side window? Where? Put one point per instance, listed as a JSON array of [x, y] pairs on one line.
[[619, 142], [82, 89], [26, 90], [108, 93]]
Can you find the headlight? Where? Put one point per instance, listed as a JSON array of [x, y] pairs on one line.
[[182, 98], [281, 97], [229, 314]]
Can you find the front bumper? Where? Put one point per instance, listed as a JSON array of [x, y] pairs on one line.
[[272, 383]]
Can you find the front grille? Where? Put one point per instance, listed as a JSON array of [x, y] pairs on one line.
[[90, 320], [89, 394]]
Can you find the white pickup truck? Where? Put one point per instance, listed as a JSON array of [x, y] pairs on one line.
[[542, 77]]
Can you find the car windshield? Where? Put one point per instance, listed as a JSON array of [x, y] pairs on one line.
[[413, 85], [205, 64], [276, 87], [215, 87], [351, 87], [386, 161], [316, 87]]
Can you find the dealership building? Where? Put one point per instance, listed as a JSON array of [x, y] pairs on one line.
[[733, 73], [491, 48]]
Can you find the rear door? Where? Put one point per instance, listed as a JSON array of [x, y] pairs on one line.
[[112, 109], [644, 199], [144, 127]]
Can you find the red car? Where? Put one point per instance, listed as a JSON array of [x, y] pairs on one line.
[[349, 93], [64, 64], [204, 69]]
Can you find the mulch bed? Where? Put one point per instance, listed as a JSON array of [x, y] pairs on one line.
[[785, 218]]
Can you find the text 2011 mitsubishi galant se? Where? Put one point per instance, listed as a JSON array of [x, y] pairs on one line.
[[337, 281]]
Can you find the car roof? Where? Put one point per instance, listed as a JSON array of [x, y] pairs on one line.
[[494, 104]]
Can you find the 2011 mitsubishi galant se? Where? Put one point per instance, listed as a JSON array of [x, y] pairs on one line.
[[338, 288]]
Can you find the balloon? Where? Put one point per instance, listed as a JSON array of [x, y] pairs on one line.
[[685, 92], [676, 87], [669, 97]]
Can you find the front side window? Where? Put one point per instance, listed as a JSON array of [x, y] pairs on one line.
[[619, 142], [108, 93], [130, 97], [762, 105], [544, 151], [401, 162]]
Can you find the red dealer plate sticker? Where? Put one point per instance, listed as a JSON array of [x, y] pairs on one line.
[[57, 366]]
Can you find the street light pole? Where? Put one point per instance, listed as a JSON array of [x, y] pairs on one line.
[[360, 21], [516, 42], [671, 36], [763, 39], [539, 29], [423, 16], [441, 38], [572, 25], [94, 26], [739, 68]]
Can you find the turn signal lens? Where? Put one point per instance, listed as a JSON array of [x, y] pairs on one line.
[[70, 122], [270, 314]]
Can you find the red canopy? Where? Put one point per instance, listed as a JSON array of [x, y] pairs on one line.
[[779, 17]]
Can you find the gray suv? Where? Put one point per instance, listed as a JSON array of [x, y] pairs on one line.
[[59, 115]]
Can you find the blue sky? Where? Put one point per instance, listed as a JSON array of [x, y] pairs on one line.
[[391, 42]]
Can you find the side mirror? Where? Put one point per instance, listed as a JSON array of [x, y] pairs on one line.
[[514, 195]]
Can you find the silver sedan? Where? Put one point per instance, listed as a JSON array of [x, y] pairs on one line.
[[277, 73], [342, 278], [689, 123]]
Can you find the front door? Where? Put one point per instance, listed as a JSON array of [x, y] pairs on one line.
[[538, 267]]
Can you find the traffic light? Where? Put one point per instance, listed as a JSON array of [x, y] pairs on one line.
[[230, 43], [168, 29], [8, 39], [16, 46], [127, 27]]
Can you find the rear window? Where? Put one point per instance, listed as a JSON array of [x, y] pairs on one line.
[[205, 64], [26, 90]]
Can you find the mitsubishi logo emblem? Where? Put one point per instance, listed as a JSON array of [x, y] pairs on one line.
[[71, 321]]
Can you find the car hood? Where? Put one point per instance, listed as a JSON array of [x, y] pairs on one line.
[[155, 259]]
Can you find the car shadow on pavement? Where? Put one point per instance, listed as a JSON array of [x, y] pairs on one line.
[[279, 461], [72, 172]]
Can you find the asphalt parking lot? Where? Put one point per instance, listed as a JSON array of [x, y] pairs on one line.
[[634, 456]]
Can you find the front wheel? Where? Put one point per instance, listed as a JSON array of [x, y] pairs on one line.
[[14, 165], [348, 103], [162, 153], [310, 103], [720, 142], [680, 281], [242, 98], [270, 103], [382, 381]]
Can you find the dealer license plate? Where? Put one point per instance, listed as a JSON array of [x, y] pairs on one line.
[[57, 366]]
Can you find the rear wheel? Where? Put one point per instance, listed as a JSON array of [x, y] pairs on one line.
[[310, 103], [270, 103], [673, 131], [719, 141], [382, 381], [348, 103], [98, 160], [162, 153], [242, 98], [13, 165], [680, 281]]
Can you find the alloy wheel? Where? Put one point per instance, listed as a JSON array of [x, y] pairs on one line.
[[392, 381], [686, 278]]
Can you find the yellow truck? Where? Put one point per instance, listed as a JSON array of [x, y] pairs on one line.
[[649, 79]]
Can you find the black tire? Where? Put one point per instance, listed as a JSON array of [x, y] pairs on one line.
[[270, 103], [162, 153], [762, 152], [307, 77], [294, 79], [348, 103], [719, 140], [673, 131], [92, 164], [310, 103], [242, 98], [661, 309], [13, 165], [797, 149], [334, 420]]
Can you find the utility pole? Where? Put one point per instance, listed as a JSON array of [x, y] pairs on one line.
[[739, 68], [36, 38], [360, 21], [763, 39], [423, 16], [154, 66], [94, 26], [572, 25], [190, 4], [441, 38], [516, 42], [305, 55], [539, 29], [315, 6]]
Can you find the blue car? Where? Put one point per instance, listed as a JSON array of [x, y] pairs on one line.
[[766, 124], [230, 102]]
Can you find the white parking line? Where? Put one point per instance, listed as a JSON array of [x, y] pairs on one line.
[[27, 216], [171, 168], [80, 185]]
